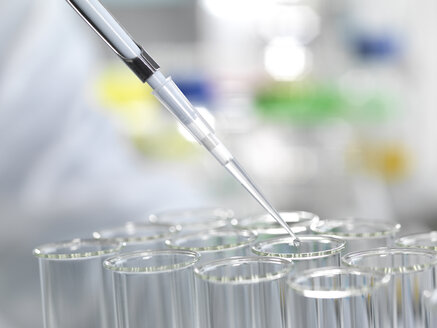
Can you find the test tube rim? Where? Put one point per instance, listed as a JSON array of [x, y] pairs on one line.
[[43, 252], [270, 230], [292, 283], [391, 228], [393, 250], [289, 266], [300, 256], [110, 263], [171, 230], [218, 218], [400, 241], [251, 237]]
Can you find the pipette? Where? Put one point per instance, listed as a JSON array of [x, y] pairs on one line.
[[167, 92]]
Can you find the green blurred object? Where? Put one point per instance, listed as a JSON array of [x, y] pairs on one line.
[[312, 103]]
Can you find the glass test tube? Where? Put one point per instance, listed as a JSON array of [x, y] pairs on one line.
[[359, 234], [193, 220], [76, 291], [413, 271], [137, 236], [243, 292], [429, 300], [337, 297], [426, 240], [266, 226], [313, 251], [154, 288], [215, 244]]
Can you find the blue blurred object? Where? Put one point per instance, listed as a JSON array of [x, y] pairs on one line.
[[383, 46], [197, 89]]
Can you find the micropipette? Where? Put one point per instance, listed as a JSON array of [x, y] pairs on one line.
[[167, 92]]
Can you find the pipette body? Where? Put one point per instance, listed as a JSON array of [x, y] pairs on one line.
[[167, 92]]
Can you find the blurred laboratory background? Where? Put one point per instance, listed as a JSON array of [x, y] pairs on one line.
[[329, 105]]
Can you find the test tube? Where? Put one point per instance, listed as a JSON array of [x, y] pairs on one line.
[[137, 236], [426, 240], [267, 227], [429, 300], [413, 271], [194, 220], [243, 292], [337, 297], [215, 244], [154, 288], [359, 234], [313, 251], [76, 291]]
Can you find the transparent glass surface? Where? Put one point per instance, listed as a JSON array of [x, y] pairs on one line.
[[154, 288], [215, 244], [151, 261], [429, 300], [337, 297], [266, 226], [76, 291], [360, 234], [426, 240], [413, 271], [243, 292], [313, 251], [194, 220], [138, 236]]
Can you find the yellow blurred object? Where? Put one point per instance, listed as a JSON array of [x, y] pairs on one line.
[[117, 86], [393, 162], [176, 146], [131, 101], [140, 115], [390, 160]]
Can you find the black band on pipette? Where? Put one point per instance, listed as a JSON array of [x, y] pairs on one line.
[[143, 66]]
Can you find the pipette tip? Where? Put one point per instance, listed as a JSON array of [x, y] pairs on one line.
[[294, 239], [296, 242]]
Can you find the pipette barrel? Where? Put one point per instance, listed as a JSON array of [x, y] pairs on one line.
[[116, 37], [99, 18]]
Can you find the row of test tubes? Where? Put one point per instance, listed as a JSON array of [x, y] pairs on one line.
[[208, 268]]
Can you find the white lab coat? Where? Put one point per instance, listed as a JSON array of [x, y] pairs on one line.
[[64, 170]]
